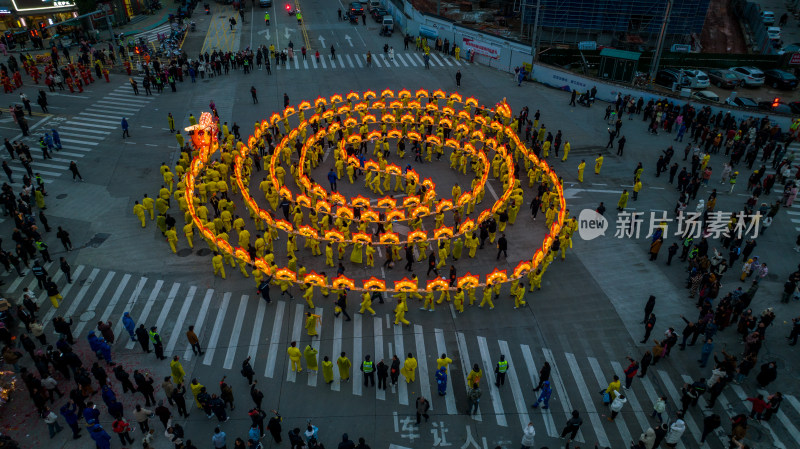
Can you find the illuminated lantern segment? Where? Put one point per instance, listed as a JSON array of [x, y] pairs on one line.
[[367, 117]]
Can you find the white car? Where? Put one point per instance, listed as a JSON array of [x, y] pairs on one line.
[[768, 17], [750, 75], [696, 79], [706, 95], [774, 33]]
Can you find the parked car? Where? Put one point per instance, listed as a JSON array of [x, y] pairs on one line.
[[768, 17], [724, 78], [742, 102], [750, 75], [706, 95], [265, 3], [378, 13], [356, 8], [780, 79], [695, 79], [780, 108], [667, 77], [774, 33], [374, 4]]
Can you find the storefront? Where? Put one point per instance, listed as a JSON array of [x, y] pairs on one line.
[[34, 16]]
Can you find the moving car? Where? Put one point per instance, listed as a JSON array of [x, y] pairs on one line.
[[774, 33], [706, 95], [780, 79], [781, 108], [695, 79], [356, 8], [742, 102], [374, 4], [724, 78], [768, 17], [265, 3], [750, 75], [378, 13]]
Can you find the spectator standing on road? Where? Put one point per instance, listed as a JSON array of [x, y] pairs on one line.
[[124, 125], [527, 436], [573, 425]]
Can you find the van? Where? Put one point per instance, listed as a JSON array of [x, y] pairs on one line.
[[388, 22], [373, 4]]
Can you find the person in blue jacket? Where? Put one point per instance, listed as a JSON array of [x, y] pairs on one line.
[[441, 380], [129, 324], [68, 412], [101, 438], [544, 396]]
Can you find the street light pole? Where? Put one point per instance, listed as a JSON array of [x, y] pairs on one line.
[[535, 32], [661, 36]]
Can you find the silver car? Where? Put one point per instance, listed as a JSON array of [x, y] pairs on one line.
[[750, 75]]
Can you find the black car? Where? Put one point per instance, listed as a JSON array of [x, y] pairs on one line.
[[378, 13], [667, 77], [781, 108], [743, 102], [780, 79], [724, 78], [356, 9]]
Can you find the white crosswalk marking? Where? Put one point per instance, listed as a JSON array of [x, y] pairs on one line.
[[322, 61], [376, 61], [400, 58], [115, 299], [449, 398], [423, 378], [556, 381], [176, 330], [466, 366], [131, 301], [162, 317], [148, 306], [378, 335], [435, 59], [297, 324], [358, 61], [274, 340], [516, 391], [419, 59], [315, 342], [675, 396], [212, 342], [198, 323], [488, 365], [402, 386], [600, 377], [82, 292], [586, 396], [341, 61], [633, 402], [337, 349], [257, 326], [411, 60], [232, 343], [349, 61], [358, 357], [296, 64]]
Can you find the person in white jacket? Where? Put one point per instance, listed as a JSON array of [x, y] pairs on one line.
[[616, 405], [675, 432], [527, 436]]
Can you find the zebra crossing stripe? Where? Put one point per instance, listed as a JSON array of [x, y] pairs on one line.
[[399, 58], [148, 306], [315, 343], [212, 342], [230, 355], [357, 353], [341, 61], [291, 375], [187, 304], [269, 371], [433, 56], [424, 379], [591, 410], [376, 62], [411, 60], [358, 61], [314, 62], [131, 301], [378, 334], [632, 400], [675, 396], [252, 352], [173, 293], [600, 377], [337, 349], [449, 398], [198, 322], [402, 386], [516, 391], [497, 402], [466, 366], [349, 61]]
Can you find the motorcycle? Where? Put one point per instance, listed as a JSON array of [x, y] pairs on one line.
[[585, 100], [208, 10], [290, 9]]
